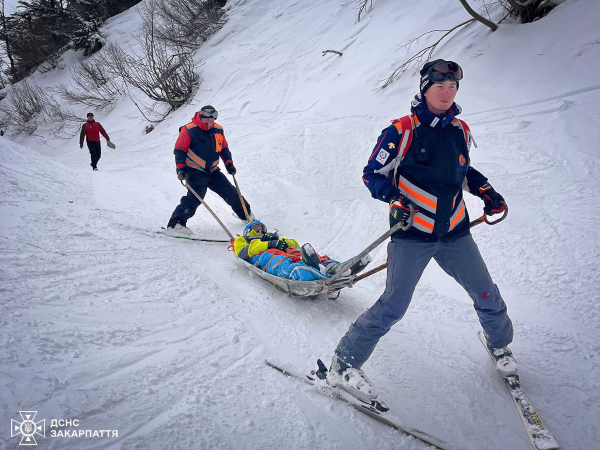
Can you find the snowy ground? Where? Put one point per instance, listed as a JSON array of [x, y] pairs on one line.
[[104, 321]]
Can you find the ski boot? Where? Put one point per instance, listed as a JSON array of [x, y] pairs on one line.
[[353, 381], [505, 361], [178, 230], [310, 257]]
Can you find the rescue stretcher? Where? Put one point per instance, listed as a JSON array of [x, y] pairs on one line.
[[330, 286], [297, 288]]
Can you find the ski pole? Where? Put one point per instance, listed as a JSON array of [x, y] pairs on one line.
[[237, 186], [207, 207], [472, 224]]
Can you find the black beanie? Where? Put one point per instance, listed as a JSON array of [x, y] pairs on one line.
[[425, 82]]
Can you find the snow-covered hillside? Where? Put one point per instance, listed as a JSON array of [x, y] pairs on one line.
[[106, 322]]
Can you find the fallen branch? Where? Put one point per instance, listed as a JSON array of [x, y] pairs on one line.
[[331, 51], [364, 8], [418, 57]]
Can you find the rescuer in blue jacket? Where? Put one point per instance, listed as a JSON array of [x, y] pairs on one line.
[[422, 161]]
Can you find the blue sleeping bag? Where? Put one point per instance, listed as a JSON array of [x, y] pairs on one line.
[[282, 266]]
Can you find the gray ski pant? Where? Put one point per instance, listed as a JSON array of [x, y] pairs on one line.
[[407, 260]]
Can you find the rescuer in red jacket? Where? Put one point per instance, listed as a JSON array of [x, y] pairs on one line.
[[92, 130]]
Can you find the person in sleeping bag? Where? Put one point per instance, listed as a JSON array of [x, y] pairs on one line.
[[284, 257]]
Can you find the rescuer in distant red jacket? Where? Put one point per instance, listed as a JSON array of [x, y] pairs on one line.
[[92, 130]]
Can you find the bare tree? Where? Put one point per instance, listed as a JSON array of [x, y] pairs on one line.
[[161, 76], [22, 106], [364, 7], [184, 24], [480, 18], [26, 106], [6, 39], [94, 86]]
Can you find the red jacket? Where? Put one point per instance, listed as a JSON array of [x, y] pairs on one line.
[[92, 130], [199, 147]]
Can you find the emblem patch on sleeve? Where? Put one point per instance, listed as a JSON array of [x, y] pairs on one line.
[[382, 157]]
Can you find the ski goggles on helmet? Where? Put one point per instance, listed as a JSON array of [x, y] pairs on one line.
[[259, 227], [209, 113], [445, 70], [255, 226]]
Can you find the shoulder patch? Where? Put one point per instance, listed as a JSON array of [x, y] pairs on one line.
[[382, 156], [191, 125]]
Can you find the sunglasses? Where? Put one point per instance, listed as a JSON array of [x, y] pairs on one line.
[[209, 114], [445, 70]]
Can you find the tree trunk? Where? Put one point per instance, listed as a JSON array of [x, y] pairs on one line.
[[483, 20], [7, 43]]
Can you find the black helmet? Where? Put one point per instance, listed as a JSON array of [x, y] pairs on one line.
[[208, 112]]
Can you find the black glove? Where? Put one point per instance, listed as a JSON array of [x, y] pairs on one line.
[[269, 237], [399, 208], [181, 174], [494, 202], [230, 169], [279, 245]]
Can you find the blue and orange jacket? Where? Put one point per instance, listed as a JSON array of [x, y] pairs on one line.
[[433, 173], [92, 130], [199, 147]]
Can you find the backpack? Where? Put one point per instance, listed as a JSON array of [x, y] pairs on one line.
[[406, 125]]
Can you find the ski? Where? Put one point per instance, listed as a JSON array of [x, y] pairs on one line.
[[382, 416], [539, 435], [192, 238]]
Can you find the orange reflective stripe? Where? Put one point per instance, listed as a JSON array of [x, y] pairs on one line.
[[423, 223], [191, 155], [191, 125], [193, 165], [419, 197], [458, 215]]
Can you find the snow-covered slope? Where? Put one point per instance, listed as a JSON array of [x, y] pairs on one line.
[[104, 321]]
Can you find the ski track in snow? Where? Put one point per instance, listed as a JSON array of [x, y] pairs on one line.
[[105, 321]]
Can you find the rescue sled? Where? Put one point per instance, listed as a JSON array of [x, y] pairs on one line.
[[330, 286], [297, 288]]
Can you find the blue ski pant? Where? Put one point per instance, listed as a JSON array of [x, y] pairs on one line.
[[95, 152], [201, 181], [407, 260]]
